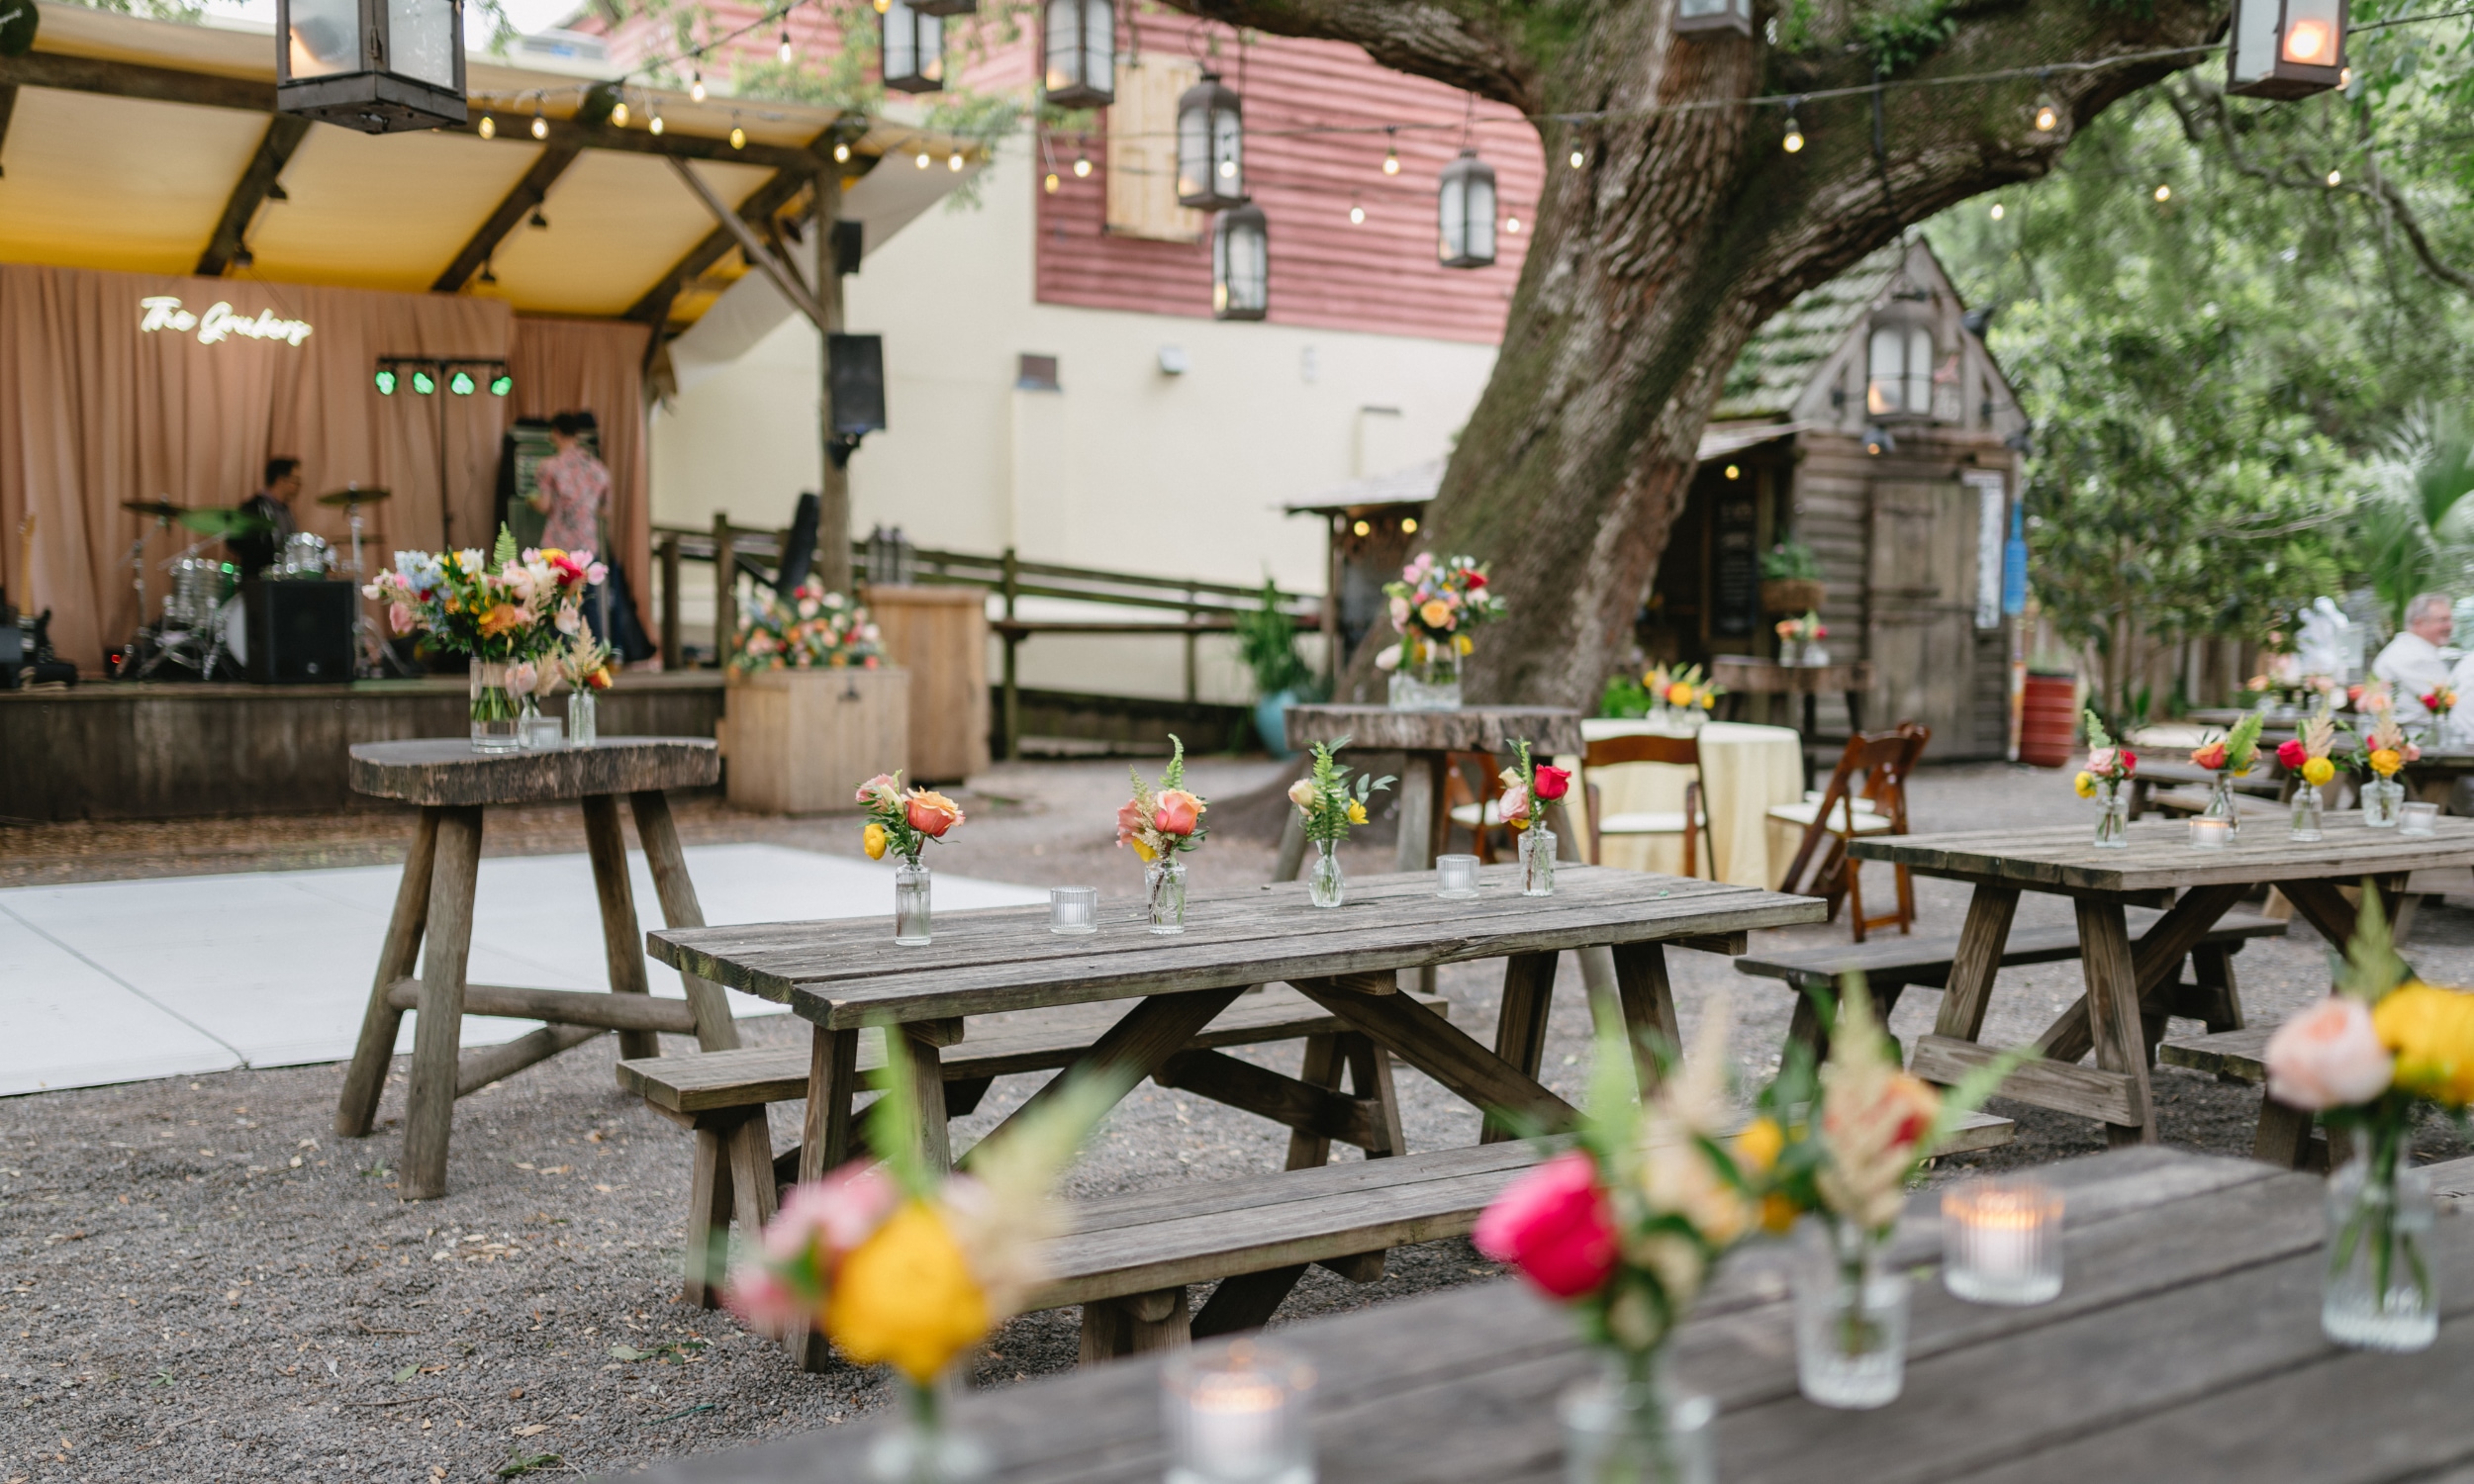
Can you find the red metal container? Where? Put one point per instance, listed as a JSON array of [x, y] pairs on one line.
[[2049, 720]]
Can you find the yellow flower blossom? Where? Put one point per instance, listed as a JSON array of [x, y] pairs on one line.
[[2085, 782], [1435, 612], [1143, 849], [1357, 813], [2386, 760], [1757, 1149], [2318, 771], [874, 839], [1464, 644], [2431, 1031], [1680, 694], [906, 1296]]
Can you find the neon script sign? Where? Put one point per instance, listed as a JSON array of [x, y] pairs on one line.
[[220, 322]]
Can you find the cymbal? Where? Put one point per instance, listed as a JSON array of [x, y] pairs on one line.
[[160, 510], [355, 495], [225, 523]]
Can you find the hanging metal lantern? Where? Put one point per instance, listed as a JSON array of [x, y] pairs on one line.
[[913, 49], [1082, 53], [1241, 264], [1210, 148], [945, 7], [2285, 49], [1714, 15], [380, 66], [1465, 206]]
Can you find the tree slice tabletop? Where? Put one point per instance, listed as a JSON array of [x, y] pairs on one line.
[[1549, 730], [2185, 1346], [444, 772], [1754, 675], [2160, 856], [846, 973]]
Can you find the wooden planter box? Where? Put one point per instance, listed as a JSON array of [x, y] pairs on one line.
[[1791, 596], [802, 741], [939, 635]]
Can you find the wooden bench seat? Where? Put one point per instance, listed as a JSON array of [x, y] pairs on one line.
[[2285, 1136], [1889, 965]]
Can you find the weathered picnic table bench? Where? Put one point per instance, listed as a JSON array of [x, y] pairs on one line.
[[2185, 1346]]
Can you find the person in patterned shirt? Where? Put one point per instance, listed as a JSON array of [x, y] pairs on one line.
[[572, 488]]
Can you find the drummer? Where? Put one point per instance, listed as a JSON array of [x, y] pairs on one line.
[[257, 551]]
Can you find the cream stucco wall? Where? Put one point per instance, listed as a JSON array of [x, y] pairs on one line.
[[1126, 467]]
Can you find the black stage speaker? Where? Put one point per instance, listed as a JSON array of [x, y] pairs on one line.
[[855, 373], [300, 632]]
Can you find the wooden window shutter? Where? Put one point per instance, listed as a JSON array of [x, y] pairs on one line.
[[1142, 151]]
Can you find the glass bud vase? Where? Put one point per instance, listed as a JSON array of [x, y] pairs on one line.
[[2113, 817], [1537, 861], [922, 1450], [1630, 1426], [2378, 1292], [2383, 801], [1323, 883], [2221, 804], [497, 718], [1850, 1321], [910, 904], [528, 721], [584, 711], [2306, 821], [1164, 889]]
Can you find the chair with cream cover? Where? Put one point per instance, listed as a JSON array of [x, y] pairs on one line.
[[1479, 812], [1866, 795], [1689, 822]]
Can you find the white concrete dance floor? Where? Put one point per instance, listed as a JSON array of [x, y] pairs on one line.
[[115, 982]]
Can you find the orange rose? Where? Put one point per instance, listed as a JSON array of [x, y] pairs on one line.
[[505, 617], [1178, 812], [931, 814]]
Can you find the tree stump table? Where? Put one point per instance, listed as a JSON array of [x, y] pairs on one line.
[[452, 784]]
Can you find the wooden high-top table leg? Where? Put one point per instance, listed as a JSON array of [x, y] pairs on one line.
[[429, 1100], [2112, 1012], [623, 946], [367, 1080]]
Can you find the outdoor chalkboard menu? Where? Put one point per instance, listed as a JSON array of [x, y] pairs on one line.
[[1735, 581]]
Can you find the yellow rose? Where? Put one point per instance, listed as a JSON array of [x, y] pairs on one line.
[[1464, 644], [1679, 694], [2431, 1031], [1435, 612], [1779, 1214], [906, 1296], [875, 840], [2386, 760], [2318, 771], [1757, 1149], [2085, 782], [1357, 813]]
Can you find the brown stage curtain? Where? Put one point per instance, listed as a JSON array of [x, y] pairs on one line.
[[596, 367]]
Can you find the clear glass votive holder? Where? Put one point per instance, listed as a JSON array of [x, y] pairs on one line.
[[1456, 878], [2001, 1241], [1073, 911], [2417, 820], [2211, 834], [544, 731], [1237, 1416]]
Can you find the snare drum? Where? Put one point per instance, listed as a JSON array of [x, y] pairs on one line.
[[199, 588], [304, 555]]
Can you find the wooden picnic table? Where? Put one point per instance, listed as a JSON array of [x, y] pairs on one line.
[[2185, 1346], [2122, 978], [452, 784], [847, 973]]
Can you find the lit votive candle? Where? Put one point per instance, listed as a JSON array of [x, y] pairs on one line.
[[1237, 1417], [1072, 910], [1455, 876], [2417, 820], [2001, 1241], [2211, 834]]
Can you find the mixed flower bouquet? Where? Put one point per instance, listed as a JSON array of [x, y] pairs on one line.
[[904, 822], [2440, 700], [2235, 752], [809, 629], [1805, 630], [1529, 786], [584, 664], [506, 607], [1434, 606], [1326, 801], [1684, 688], [1163, 821], [2307, 751], [2106, 762]]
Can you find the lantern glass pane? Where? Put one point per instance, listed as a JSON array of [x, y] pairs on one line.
[[326, 38], [1920, 370], [2252, 38], [1452, 212], [1690, 10], [1100, 45], [2314, 32], [1194, 152], [1065, 45], [1888, 368], [421, 41], [1482, 217], [1228, 150], [1240, 263], [931, 45]]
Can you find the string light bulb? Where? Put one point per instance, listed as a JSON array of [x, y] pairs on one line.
[[953, 161], [2345, 79], [2047, 115], [1997, 211], [2335, 180], [1051, 182], [1579, 160], [2164, 193], [783, 52], [1512, 224], [1356, 212], [1794, 140], [695, 86], [489, 128], [618, 114], [738, 138], [1391, 150], [1081, 167], [1408, 525], [923, 161], [656, 124], [842, 153], [541, 123]]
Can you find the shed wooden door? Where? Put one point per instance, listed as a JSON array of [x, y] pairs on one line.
[[1921, 612]]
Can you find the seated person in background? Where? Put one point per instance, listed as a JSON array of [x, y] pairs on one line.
[[2411, 664]]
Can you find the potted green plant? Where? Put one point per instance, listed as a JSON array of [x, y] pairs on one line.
[[1792, 578], [1266, 639]]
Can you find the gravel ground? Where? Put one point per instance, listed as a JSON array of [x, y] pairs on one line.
[[199, 1281]]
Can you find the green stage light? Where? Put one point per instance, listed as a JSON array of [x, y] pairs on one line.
[[460, 384], [386, 381], [502, 384], [422, 383]]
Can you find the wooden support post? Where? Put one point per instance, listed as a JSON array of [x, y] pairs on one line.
[[708, 1217], [673, 655], [1981, 939], [725, 589], [1193, 691], [927, 1085], [430, 1099], [366, 1078], [667, 859], [1648, 997], [1246, 1301], [1012, 708], [1520, 1028], [1322, 1069], [622, 945], [2112, 1012], [1135, 1325], [1369, 1077], [833, 562]]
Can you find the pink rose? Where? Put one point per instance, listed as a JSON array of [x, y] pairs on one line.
[[2099, 759], [758, 1295], [2292, 753], [1179, 812], [400, 618], [1552, 782], [834, 1213], [1515, 802], [1553, 1224], [2327, 1056], [885, 788]]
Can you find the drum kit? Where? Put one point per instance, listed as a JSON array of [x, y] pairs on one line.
[[202, 622]]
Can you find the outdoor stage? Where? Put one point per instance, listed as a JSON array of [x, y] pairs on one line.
[[146, 749]]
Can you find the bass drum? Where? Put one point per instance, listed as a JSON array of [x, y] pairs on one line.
[[231, 626]]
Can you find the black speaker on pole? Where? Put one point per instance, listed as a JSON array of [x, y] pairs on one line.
[[856, 373], [300, 632]]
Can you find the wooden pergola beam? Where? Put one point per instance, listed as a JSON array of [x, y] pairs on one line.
[[8, 106], [527, 194], [654, 308], [284, 132]]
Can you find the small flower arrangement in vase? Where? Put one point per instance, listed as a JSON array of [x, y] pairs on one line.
[[2375, 1057], [2440, 700], [809, 629], [1799, 640], [1434, 606], [2227, 758], [900, 1263], [1680, 699], [2306, 753], [585, 666], [1328, 804], [2383, 796], [1529, 786], [1161, 824], [2108, 768], [905, 823], [507, 609]]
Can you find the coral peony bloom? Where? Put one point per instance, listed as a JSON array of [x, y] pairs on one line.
[[1129, 827], [1555, 1226], [1179, 814], [2292, 753], [2327, 1056], [2210, 757], [906, 1297], [503, 618], [931, 814], [1552, 782], [2431, 1031], [1302, 794]]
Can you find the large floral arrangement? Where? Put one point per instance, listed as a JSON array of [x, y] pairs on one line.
[[1435, 604], [506, 607], [1159, 822], [2106, 762], [900, 821], [809, 629], [1327, 802]]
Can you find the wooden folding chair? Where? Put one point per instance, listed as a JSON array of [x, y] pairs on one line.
[[1478, 812], [1866, 795], [1648, 747]]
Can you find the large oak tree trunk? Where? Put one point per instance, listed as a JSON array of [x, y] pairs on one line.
[[1683, 229]]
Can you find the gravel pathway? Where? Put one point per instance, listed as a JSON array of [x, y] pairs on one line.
[[199, 1281]]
